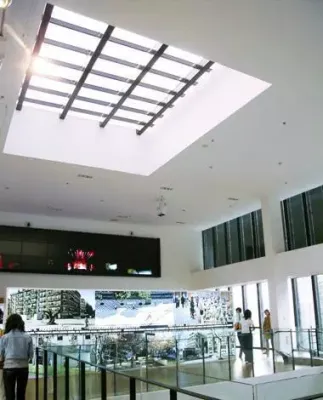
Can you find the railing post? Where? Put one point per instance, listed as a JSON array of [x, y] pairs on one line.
[[176, 350], [310, 347], [132, 388], [147, 374], [82, 386], [317, 343], [203, 360], [103, 384], [37, 373], [292, 345], [273, 350], [54, 376], [67, 378], [229, 358], [172, 394], [45, 362]]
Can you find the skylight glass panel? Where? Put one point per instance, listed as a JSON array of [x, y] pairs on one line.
[[124, 124], [41, 106], [50, 84], [78, 19], [42, 66], [135, 39], [57, 53], [126, 53], [37, 95], [107, 83], [185, 55], [174, 68], [151, 94], [116, 69], [166, 83], [91, 107], [96, 95], [71, 37], [132, 115], [85, 116], [142, 105]]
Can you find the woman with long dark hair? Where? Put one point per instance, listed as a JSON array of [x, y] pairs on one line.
[[16, 350], [247, 327]]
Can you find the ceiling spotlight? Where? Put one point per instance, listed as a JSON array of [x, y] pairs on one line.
[[5, 4]]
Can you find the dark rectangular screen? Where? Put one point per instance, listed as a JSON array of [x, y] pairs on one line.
[[43, 251]]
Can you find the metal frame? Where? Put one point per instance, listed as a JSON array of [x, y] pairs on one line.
[[39, 41], [94, 56], [106, 36], [134, 84]]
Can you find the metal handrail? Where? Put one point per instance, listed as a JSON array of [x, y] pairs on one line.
[[312, 397], [146, 381]]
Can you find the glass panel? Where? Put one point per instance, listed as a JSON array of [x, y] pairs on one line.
[[296, 222], [174, 68], [116, 69], [151, 94], [220, 245], [252, 301], [57, 53], [42, 66], [50, 84], [208, 250], [259, 231], [77, 19], [97, 95], [126, 53], [124, 124], [85, 116], [142, 105], [35, 94], [132, 115], [247, 237], [264, 294], [319, 280], [237, 297], [40, 107], [166, 83], [233, 241], [185, 55], [107, 83], [69, 36], [304, 307], [134, 38], [315, 199]]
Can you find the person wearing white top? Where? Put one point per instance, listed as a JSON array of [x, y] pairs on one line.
[[246, 339]]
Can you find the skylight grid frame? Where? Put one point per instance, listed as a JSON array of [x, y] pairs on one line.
[[179, 94], [39, 41], [133, 86]]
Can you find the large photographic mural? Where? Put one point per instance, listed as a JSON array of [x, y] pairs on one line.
[[43, 309]]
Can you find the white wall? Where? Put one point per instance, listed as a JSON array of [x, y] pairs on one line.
[[181, 252]]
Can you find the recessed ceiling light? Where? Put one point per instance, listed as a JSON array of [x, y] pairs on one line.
[[51, 208], [180, 223], [284, 123], [7, 187], [166, 188], [286, 183], [85, 176], [123, 216], [101, 201], [280, 163], [205, 146], [113, 220], [183, 209], [211, 166]]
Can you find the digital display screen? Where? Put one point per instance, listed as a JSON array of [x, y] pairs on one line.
[[45, 251]]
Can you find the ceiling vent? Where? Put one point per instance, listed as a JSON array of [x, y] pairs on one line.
[[85, 176], [123, 216], [233, 199], [166, 188], [54, 209], [180, 223], [114, 220]]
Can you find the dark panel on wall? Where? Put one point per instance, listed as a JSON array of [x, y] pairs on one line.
[[44, 251]]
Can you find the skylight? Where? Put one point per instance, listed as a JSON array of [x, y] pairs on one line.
[[86, 67]]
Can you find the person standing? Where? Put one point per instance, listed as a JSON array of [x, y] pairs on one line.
[[237, 328], [267, 330], [16, 350], [247, 327]]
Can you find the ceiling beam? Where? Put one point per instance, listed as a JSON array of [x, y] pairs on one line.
[[179, 94], [106, 36], [39, 41], [135, 83]]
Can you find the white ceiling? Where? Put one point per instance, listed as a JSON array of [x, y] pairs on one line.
[[277, 41]]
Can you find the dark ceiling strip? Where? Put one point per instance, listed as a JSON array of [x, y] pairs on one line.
[[122, 42], [135, 83], [109, 76], [90, 100], [106, 36], [178, 95], [99, 89], [39, 41], [115, 60]]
